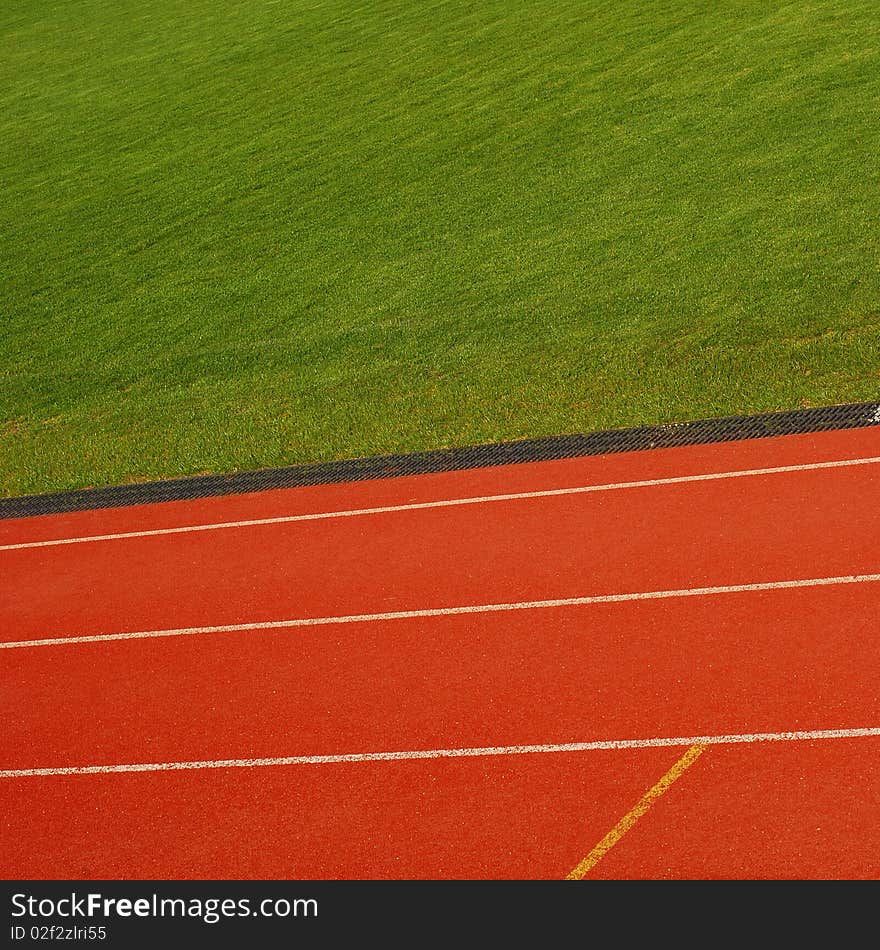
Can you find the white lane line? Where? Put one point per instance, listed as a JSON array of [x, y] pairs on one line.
[[445, 611], [453, 502], [449, 753]]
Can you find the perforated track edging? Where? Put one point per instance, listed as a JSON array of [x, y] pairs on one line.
[[703, 431]]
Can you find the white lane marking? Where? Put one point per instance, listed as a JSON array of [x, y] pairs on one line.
[[445, 611], [452, 502], [450, 753]]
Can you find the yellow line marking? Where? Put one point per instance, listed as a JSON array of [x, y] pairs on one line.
[[628, 820]]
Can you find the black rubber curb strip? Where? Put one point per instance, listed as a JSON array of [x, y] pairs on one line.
[[728, 429]]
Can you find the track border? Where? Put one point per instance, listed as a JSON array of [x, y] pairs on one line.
[[603, 442]]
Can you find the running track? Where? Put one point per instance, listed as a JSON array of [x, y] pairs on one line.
[[657, 664]]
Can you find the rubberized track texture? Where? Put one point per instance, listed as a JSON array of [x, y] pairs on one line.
[[651, 663]]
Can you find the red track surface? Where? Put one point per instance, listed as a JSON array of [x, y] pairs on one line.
[[712, 665]]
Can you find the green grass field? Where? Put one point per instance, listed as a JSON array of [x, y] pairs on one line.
[[247, 233]]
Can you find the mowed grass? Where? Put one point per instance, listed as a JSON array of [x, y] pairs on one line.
[[247, 233]]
